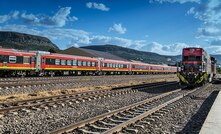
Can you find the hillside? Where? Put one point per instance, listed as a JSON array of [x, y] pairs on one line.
[[131, 54], [25, 41]]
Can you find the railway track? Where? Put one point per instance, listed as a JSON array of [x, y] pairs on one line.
[[53, 101], [19, 79], [125, 119], [43, 81]]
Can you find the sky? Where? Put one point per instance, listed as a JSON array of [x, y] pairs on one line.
[[160, 26]]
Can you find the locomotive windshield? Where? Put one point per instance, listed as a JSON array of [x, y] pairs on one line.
[[192, 58]]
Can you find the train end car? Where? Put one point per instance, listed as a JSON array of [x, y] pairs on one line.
[[197, 67]]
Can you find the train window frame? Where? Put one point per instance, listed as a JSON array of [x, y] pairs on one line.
[[88, 63], [63, 62], [26, 60], [12, 59], [74, 62], [93, 64], [32, 59], [4, 58], [79, 63], [19, 60], [69, 62], [84, 63], [57, 61]]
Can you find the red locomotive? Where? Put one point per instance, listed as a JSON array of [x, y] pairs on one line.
[[197, 67], [16, 62]]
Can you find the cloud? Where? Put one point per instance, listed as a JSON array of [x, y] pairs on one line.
[[59, 19], [173, 1], [213, 49], [216, 42], [210, 14], [118, 28], [74, 37], [99, 6], [169, 49], [12, 15]]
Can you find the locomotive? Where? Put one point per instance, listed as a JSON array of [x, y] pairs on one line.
[[197, 67], [22, 63]]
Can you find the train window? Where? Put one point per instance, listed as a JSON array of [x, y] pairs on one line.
[[26, 60], [93, 64], [69, 62], [63, 62], [19, 59], [113, 65], [3, 58], [48, 61], [84, 63], [108, 65], [12, 59], [79, 63], [89, 63], [121, 65], [57, 62], [125, 66], [32, 59], [74, 63]]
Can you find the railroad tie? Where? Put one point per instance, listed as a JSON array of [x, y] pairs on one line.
[[130, 130], [145, 122], [97, 127], [36, 109], [155, 116], [108, 124], [129, 116], [149, 119], [133, 113], [116, 121], [123, 118], [25, 110], [87, 132], [158, 114], [142, 109], [139, 126]]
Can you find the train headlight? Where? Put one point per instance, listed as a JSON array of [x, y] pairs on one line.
[[200, 68], [182, 68]]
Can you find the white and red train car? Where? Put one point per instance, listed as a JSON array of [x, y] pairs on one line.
[[16, 62]]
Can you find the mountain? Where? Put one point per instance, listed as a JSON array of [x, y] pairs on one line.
[[135, 55], [25, 41], [148, 57], [218, 58], [89, 53]]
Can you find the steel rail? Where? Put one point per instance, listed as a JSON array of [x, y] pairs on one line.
[[12, 106], [105, 115]]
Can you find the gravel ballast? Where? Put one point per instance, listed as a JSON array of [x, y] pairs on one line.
[[48, 120]]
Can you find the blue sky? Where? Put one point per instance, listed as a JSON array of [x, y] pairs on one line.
[[161, 26]]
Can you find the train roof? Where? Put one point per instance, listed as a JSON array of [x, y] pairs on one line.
[[16, 51]]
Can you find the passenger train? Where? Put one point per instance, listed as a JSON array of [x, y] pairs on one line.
[[30, 63]]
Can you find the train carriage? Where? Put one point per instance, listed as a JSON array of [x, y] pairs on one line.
[[14, 62], [114, 66], [62, 64]]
